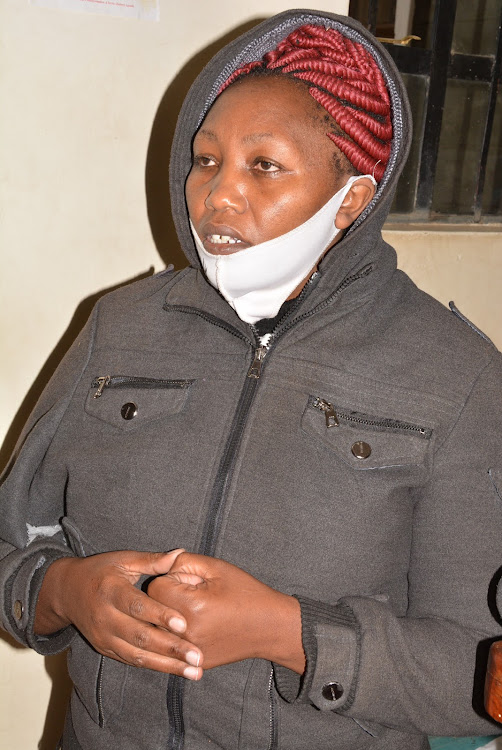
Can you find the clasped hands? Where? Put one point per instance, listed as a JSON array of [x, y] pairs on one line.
[[198, 612], [230, 615]]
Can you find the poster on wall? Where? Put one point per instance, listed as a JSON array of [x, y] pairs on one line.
[[140, 9]]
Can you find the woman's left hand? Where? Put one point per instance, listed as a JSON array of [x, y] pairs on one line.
[[231, 615]]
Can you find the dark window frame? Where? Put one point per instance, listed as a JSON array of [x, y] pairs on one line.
[[438, 65]]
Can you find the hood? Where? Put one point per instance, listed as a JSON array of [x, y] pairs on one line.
[[252, 45]]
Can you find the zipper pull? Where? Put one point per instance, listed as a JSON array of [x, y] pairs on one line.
[[329, 412], [259, 356], [102, 382]]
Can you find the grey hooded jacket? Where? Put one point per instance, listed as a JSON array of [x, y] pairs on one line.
[[386, 526]]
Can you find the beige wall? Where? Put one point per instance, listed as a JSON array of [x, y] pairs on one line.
[[465, 267], [79, 95]]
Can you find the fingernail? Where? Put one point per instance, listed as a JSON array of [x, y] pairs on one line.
[[191, 673], [193, 657], [177, 624]]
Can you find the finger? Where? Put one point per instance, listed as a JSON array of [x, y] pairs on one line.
[[148, 638], [135, 656], [201, 566], [152, 563], [177, 591], [139, 606]]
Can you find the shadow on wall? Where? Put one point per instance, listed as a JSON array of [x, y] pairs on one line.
[[166, 241]]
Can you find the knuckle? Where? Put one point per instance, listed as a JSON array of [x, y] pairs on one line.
[[141, 639], [177, 651], [138, 659], [96, 621], [136, 607]]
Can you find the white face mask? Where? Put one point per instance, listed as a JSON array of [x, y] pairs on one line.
[[257, 280]]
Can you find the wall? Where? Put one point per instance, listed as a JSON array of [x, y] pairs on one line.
[[83, 111], [465, 267]]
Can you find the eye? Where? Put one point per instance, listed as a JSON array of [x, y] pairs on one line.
[[204, 161], [263, 165]]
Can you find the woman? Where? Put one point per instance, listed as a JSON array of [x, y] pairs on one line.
[[318, 434]]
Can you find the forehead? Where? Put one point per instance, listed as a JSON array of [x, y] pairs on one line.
[[281, 104]]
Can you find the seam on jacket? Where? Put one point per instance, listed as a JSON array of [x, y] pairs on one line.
[[178, 277], [94, 325], [464, 405], [165, 272], [468, 322], [494, 483]]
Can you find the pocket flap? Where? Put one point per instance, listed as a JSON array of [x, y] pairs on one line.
[[128, 407], [366, 442]]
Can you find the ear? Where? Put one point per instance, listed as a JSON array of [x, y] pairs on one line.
[[359, 196]]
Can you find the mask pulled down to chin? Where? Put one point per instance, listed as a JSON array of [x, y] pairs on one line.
[[257, 280]]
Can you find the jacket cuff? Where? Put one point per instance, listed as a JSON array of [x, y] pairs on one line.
[[21, 592], [330, 636]]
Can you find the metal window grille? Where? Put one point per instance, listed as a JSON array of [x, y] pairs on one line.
[[454, 173]]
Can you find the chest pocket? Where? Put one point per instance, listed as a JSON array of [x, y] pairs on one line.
[[365, 441], [128, 402]]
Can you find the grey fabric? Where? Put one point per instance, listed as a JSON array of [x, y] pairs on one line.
[[392, 560], [69, 740]]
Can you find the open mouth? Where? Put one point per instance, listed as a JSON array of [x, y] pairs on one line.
[[223, 239], [224, 244]]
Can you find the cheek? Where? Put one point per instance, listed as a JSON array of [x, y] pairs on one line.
[[287, 212], [195, 197]]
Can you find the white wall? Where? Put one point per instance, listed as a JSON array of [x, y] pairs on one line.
[[78, 96]]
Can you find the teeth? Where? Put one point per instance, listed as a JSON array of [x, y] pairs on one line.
[[222, 239]]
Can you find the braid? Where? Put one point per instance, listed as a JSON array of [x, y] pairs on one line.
[[346, 81]]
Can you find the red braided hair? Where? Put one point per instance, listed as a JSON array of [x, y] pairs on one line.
[[346, 82]]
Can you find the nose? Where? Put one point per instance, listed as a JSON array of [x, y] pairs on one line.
[[226, 191]]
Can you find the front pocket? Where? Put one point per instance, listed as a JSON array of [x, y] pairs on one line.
[[99, 682], [365, 441], [127, 402]]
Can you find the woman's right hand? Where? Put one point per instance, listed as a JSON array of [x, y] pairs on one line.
[[97, 594]]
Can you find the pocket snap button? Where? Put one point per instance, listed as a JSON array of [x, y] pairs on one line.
[[18, 609], [332, 691], [361, 449], [129, 410]]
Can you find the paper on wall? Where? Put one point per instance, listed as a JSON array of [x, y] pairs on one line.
[[140, 9]]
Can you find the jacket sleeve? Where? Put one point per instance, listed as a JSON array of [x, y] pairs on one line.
[[31, 506], [423, 672]]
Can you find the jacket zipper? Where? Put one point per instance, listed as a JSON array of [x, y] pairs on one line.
[[129, 381], [224, 475], [175, 687], [272, 745], [334, 416], [348, 280], [99, 693]]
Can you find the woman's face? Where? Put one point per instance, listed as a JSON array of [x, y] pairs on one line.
[[262, 165]]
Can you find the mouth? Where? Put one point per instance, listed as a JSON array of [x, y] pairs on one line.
[[222, 240]]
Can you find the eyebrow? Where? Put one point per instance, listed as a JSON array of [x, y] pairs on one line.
[[208, 134], [251, 138], [256, 137]]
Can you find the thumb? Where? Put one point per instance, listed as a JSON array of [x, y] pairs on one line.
[[155, 563]]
